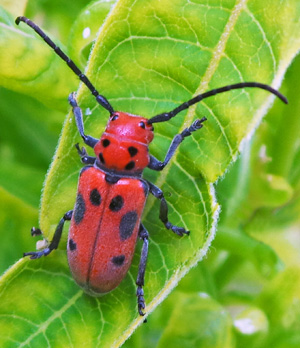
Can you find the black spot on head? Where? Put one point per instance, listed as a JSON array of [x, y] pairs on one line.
[[101, 158], [115, 117], [79, 209], [72, 245], [105, 142], [142, 124], [127, 224], [118, 260], [116, 203], [111, 179], [130, 165], [132, 151], [95, 197]]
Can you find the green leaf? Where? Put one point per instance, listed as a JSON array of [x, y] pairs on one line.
[[251, 325], [263, 185], [250, 207], [265, 259], [86, 27], [16, 217], [26, 137], [251, 321], [281, 298], [260, 194], [14, 7], [201, 312], [30, 67], [148, 58], [57, 17]]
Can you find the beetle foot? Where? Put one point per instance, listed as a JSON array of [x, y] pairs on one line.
[[84, 157], [37, 254], [81, 151], [35, 232], [140, 300], [180, 231]]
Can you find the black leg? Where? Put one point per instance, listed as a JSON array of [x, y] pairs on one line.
[[143, 234], [155, 164], [168, 115], [56, 238], [90, 141], [163, 212], [85, 158], [100, 98]]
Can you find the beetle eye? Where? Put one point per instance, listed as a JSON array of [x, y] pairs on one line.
[[115, 117], [142, 124]]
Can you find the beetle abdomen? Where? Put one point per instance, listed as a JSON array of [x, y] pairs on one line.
[[104, 229]]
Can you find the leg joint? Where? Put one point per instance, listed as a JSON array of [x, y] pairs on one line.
[[68, 215]]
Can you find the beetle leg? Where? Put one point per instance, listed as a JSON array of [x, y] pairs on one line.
[[35, 232], [155, 164], [163, 211], [90, 141], [143, 234], [85, 158], [55, 241]]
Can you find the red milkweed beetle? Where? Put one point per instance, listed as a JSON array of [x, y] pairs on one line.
[[105, 222]]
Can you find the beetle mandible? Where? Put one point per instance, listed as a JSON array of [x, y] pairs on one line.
[[112, 192]]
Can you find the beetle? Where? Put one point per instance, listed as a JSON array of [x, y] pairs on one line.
[[106, 219]]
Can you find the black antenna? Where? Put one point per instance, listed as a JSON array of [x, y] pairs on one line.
[[168, 115], [100, 98]]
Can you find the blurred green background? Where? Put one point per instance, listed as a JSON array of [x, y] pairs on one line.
[[246, 292]]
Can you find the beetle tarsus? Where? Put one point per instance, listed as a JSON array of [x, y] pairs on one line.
[[35, 232], [84, 157], [140, 300], [180, 231], [38, 254]]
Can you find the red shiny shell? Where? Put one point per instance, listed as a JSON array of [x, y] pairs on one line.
[[123, 146], [130, 127], [104, 229]]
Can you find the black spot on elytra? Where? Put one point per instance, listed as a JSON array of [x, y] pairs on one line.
[[72, 245], [95, 197], [101, 158], [127, 224], [79, 209], [105, 142], [111, 179], [132, 151], [130, 165], [118, 260], [116, 203]]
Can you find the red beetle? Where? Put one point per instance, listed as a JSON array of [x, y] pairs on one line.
[[106, 220]]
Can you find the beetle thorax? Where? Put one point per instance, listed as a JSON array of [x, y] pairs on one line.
[[123, 147]]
